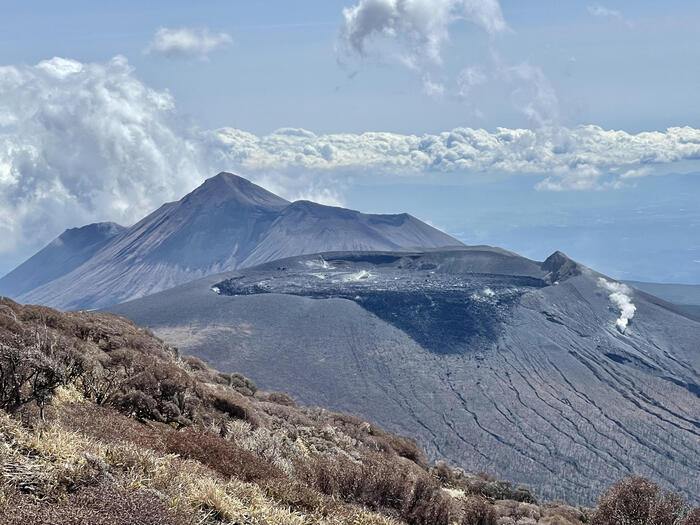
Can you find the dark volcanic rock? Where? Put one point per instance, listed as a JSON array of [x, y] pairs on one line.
[[468, 350], [442, 311], [559, 267]]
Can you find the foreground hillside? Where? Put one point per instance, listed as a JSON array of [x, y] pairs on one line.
[[226, 223], [545, 373], [101, 423]]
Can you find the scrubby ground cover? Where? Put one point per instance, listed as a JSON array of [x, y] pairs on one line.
[[102, 423]]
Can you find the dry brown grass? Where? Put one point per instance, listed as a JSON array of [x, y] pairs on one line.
[[102, 504]]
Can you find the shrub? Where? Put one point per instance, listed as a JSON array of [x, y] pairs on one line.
[[426, 504], [242, 384], [562, 514], [229, 406], [379, 483], [638, 501], [220, 455], [278, 398], [406, 448], [30, 372], [477, 511], [693, 518]]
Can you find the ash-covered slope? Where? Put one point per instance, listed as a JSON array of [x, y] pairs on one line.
[[61, 256], [493, 361], [306, 227], [226, 223], [687, 296]]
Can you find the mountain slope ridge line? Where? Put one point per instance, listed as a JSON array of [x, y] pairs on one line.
[[226, 223]]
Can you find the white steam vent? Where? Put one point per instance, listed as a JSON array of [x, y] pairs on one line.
[[620, 297], [357, 276]]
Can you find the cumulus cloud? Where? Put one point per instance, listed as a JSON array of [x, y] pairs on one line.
[[85, 141], [599, 10], [186, 42], [620, 296], [605, 12], [420, 27], [417, 31]]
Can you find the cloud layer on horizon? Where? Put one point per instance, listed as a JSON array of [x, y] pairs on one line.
[[85, 142], [581, 158]]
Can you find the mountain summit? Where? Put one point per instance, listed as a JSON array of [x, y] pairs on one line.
[[226, 223]]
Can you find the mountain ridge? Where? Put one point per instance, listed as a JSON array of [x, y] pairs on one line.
[[61, 256], [226, 223]]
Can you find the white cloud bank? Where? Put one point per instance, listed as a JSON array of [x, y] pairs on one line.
[[620, 296], [83, 142], [585, 157], [186, 42]]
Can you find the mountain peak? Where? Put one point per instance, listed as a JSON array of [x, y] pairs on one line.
[[231, 179], [226, 187], [560, 267]]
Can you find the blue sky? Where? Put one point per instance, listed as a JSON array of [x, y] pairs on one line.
[[625, 205], [637, 77]]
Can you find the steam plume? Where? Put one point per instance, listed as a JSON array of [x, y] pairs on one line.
[[620, 297]]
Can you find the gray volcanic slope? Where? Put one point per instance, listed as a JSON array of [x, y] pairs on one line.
[[685, 295], [226, 223], [491, 361], [61, 256]]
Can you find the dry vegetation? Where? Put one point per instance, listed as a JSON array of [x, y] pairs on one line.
[[102, 423]]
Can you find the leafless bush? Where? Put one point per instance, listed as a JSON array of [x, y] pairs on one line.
[[30, 372], [693, 518], [638, 501], [477, 511], [379, 483], [220, 455]]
